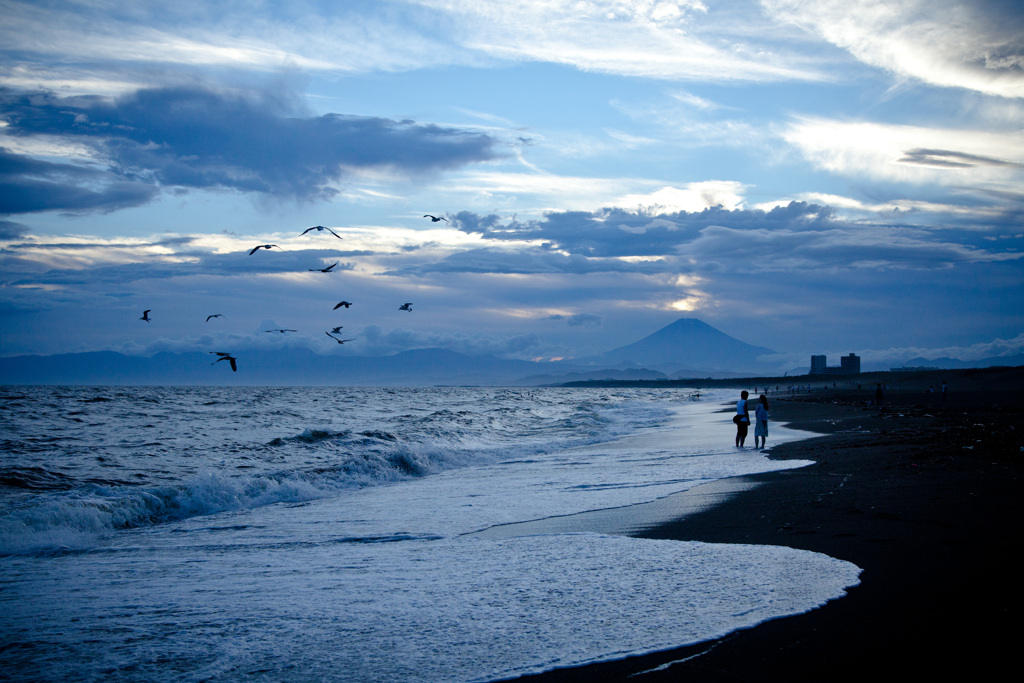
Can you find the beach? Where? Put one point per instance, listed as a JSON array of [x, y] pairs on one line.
[[924, 495], [368, 534], [481, 534]]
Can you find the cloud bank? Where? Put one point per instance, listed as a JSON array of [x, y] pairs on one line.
[[198, 138]]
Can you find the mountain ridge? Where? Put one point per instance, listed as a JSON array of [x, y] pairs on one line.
[[686, 348]]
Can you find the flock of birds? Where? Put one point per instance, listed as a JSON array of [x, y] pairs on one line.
[[222, 355]]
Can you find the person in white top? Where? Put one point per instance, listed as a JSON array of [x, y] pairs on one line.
[[761, 429]]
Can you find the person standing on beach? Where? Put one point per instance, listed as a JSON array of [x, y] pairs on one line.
[[742, 419], [761, 429], [878, 397]]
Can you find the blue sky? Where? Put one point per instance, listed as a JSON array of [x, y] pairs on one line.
[[813, 177]]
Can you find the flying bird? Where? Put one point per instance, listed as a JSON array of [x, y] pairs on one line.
[[225, 356], [320, 228], [340, 341], [145, 315], [262, 246], [323, 270], [435, 219], [282, 331], [406, 307], [215, 315]]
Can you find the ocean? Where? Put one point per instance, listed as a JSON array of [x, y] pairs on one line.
[[370, 534]]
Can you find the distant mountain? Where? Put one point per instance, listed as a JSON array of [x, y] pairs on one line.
[[945, 363], [282, 367], [687, 348], [689, 344], [628, 374]]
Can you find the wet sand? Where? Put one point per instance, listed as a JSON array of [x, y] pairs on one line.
[[923, 494]]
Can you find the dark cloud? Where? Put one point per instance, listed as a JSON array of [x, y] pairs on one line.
[[951, 159], [28, 185], [577, 320], [10, 230], [799, 236], [200, 138], [619, 232]]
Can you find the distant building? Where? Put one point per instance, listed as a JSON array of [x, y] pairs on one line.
[[848, 365]]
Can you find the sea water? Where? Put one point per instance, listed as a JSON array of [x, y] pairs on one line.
[[349, 534]]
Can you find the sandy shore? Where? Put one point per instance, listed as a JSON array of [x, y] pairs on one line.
[[924, 495]]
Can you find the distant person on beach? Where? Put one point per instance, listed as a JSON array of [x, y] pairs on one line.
[[878, 396], [742, 419], [761, 429]]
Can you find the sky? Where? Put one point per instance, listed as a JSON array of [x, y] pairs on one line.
[[812, 177]]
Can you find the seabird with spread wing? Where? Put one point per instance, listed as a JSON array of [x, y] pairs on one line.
[[320, 228], [340, 341], [225, 356]]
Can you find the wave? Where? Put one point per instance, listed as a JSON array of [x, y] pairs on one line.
[[193, 463], [75, 513]]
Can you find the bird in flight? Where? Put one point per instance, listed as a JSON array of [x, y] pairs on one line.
[[282, 331], [320, 228], [215, 315], [145, 315], [262, 246], [337, 329], [323, 270], [340, 341], [225, 356], [346, 304], [435, 219], [406, 307]]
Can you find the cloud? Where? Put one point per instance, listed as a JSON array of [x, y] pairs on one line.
[[951, 159], [617, 232], [524, 261], [694, 197], [990, 160], [976, 45], [191, 137], [899, 356], [799, 236], [373, 340], [577, 320], [28, 185], [669, 40], [10, 230]]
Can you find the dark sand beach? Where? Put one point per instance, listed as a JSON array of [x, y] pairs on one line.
[[923, 494]]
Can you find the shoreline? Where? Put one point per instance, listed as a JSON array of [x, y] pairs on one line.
[[923, 495]]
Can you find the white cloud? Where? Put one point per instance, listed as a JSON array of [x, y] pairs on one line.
[[693, 197], [975, 45], [634, 38], [916, 154]]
